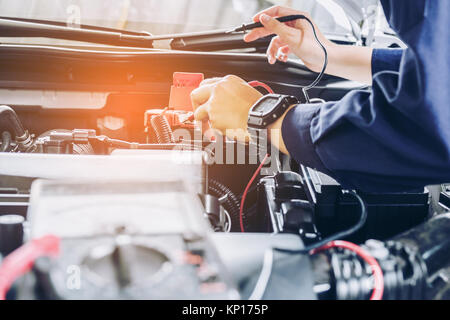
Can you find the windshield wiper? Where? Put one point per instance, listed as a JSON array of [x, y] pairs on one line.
[[217, 40], [18, 27]]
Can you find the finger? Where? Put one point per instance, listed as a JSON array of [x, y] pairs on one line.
[[210, 81], [282, 57], [274, 26], [276, 11], [256, 34], [285, 49], [233, 78], [272, 50], [283, 53], [212, 134], [236, 134], [200, 95], [201, 113]]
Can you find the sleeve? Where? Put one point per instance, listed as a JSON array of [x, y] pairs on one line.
[[386, 60], [371, 140]]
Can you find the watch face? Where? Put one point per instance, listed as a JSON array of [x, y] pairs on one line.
[[265, 106]]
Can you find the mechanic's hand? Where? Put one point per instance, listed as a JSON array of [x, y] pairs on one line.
[[226, 103], [294, 36]]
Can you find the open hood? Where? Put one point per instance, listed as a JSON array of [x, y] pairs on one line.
[[359, 10], [361, 14]]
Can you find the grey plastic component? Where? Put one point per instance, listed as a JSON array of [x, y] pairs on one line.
[[243, 255]]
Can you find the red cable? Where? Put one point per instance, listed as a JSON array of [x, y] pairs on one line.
[[378, 287], [254, 83], [22, 259], [244, 195], [261, 84]]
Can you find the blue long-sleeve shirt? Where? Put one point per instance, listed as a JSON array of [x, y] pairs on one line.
[[395, 137]]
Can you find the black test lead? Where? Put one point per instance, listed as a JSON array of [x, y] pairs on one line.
[[251, 26]]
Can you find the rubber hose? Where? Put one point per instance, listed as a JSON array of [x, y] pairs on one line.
[[231, 203], [10, 121], [162, 129]]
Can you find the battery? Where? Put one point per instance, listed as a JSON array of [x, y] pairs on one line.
[[388, 213]]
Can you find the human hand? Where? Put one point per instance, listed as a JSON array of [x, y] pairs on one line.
[[226, 103], [291, 37]]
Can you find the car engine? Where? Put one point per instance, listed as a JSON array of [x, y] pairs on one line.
[[87, 213]]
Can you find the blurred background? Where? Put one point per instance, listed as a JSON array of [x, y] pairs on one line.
[[179, 16]]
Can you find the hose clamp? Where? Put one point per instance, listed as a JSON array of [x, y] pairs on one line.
[[26, 143]]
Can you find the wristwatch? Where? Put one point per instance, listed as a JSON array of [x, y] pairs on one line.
[[264, 112]]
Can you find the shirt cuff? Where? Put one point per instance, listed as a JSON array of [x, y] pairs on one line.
[[386, 60], [296, 133]]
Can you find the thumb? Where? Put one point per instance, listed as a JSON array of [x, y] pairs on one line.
[[273, 25]]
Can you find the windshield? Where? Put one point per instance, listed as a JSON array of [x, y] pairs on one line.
[[169, 16]]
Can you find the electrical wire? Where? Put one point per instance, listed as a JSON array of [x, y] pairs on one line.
[[244, 195], [21, 260], [264, 277], [377, 272], [251, 189], [257, 83], [339, 235], [319, 76], [228, 218], [325, 63]]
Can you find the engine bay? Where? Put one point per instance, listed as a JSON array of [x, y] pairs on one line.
[[125, 196]]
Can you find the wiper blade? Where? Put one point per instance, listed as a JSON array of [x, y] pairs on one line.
[[18, 27]]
